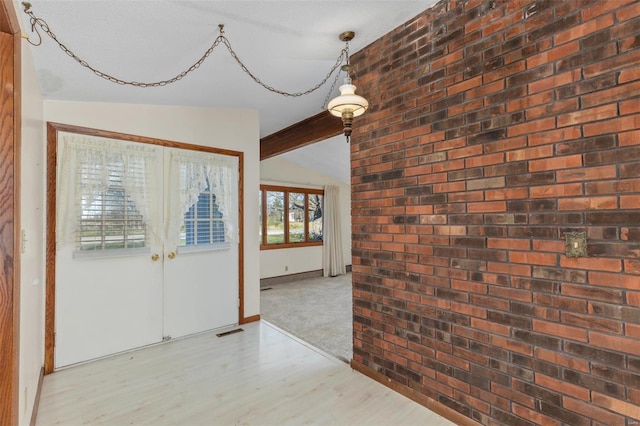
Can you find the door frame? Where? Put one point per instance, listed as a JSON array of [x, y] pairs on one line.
[[10, 142], [52, 159]]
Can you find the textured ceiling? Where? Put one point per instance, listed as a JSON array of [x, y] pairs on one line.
[[290, 45]]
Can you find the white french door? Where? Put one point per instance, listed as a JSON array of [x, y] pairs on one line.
[[200, 271], [119, 290]]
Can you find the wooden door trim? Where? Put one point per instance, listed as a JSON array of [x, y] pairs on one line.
[[52, 153], [10, 123], [50, 250]]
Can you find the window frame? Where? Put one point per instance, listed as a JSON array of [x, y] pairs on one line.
[[263, 212]]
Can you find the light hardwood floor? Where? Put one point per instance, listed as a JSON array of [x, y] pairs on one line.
[[261, 376]]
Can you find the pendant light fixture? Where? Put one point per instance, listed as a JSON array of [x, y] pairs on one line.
[[348, 105]]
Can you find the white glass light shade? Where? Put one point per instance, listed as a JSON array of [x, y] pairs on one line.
[[348, 100]]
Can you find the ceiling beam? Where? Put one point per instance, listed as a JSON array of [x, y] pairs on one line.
[[313, 129]]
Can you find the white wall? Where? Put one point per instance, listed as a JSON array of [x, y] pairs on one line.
[[234, 129], [273, 263], [32, 215]]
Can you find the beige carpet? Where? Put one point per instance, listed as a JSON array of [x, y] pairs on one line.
[[316, 310]]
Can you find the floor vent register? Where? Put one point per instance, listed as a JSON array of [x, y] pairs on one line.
[[226, 333]]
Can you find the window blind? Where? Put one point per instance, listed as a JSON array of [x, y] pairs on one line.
[[107, 194]]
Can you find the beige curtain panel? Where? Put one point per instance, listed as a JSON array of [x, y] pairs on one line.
[[332, 256]]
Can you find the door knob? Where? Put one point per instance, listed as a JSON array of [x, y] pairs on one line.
[[171, 255], [155, 257]]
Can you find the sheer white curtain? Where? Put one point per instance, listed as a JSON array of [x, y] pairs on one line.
[[190, 172], [90, 166], [333, 258]]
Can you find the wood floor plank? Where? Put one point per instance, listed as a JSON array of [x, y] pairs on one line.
[[261, 376]]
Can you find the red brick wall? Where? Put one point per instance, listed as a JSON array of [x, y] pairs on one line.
[[495, 127]]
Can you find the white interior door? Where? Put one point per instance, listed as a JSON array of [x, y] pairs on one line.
[[201, 263], [108, 288], [110, 300]]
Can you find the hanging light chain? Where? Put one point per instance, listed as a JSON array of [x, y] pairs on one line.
[[244, 68], [39, 22], [345, 68], [333, 86]]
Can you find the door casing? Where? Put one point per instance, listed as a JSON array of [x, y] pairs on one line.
[[10, 142]]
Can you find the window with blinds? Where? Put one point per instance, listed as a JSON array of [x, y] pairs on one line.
[[109, 218], [203, 222]]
